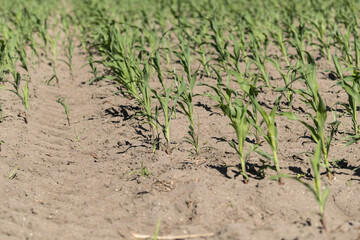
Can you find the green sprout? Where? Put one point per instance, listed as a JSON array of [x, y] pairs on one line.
[[65, 105], [319, 194], [13, 173], [23, 95], [168, 110], [311, 97], [237, 112], [143, 172]]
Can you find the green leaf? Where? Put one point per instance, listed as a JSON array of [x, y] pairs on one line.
[[351, 91], [290, 115], [264, 154]]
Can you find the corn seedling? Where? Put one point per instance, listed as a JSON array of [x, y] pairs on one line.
[[237, 51], [352, 90], [219, 43], [78, 134], [311, 97], [324, 44], [246, 85], [351, 139], [186, 104], [343, 42], [23, 59], [42, 27], [144, 100], [69, 55], [155, 63], [13, 173], [93, 67], [65, 105], [233, 107], [23, 95], [271, 136], [260, 62], [278, 37], [289, 77], [54, 42], [298, 36], [204, 60], [318, 192], [128, 73], [187, 95], [143, 172], [167, 110]]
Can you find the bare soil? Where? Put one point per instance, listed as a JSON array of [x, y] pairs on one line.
[[82, 182]]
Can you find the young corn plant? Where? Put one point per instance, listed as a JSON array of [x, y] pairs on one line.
[[168, 108], [43, 32], [237, 52], [260, 62], [127, 73], [142, 172], [324, 44], [351, 139], [184, 57], [144, 99], [351, 85], [233, 107], [94, 70], [23, 95], [54, 42], [13, 173], [343, 42], [245, 85], [298, 36], [23, 59], [204, 60], [187, 95], [278, 37], [77, 134], [65, 105], [271, 135], [219, 43], [289, 76], [186, 104], [311, 97], [320, 194], [70, 46], [25, 99], [155, 63]]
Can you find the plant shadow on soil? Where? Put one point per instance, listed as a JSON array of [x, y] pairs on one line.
[[122, 112], [254, 170]]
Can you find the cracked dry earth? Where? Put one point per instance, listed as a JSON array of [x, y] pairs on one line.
[[81, 181]]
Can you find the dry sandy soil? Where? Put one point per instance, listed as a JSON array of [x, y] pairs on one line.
[[88, 188]]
